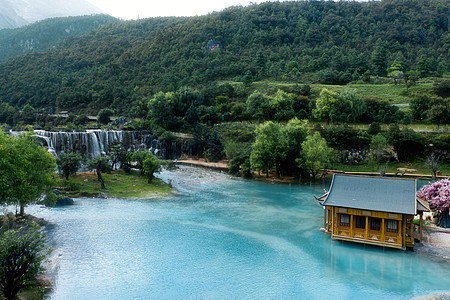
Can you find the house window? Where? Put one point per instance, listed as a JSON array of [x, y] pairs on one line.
[[375, 224], [392, 226], [360, 222], [345, 220]]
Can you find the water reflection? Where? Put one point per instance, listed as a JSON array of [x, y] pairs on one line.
[[223, 237]]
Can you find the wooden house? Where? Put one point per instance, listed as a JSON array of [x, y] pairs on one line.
[[373, 210]]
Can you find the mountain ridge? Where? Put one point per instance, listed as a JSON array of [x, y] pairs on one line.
[[17, 13], [46, 34]]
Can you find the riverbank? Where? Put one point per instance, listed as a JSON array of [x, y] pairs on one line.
[[436, 241], [272, 176], [219, 166]]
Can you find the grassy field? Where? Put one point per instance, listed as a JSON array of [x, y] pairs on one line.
[[118, 185], [420, 168], [394, 94]]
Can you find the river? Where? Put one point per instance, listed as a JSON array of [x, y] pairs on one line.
[[223, 238]]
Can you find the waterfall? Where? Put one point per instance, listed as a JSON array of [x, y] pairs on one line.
[[96, 142]]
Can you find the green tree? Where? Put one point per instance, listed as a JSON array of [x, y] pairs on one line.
[[378, 147], [326, 106], [104, 115], [248, 78], [191, 119], [139, 157], [350, 107], [316, 155], [161, 112], [395, 71], [294, 134], [423, 66], [26, 170], [268, 148], [282, 106], [407, 143], [81, 120], [28, 114], [258, 106], [151, 165], [101, 165], [379, 59], [411, 78], [183, 98], [439, 112], [120, 155], [201, 134], [22, 253], [68, 163], [215, 147], [419, 107]]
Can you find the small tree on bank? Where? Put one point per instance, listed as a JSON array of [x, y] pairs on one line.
[[68, 164], [104, 115], [22, 252], [26, 170], [378, 147], [438, 195], [139, 157], [100, 165], [316, 154], [151, 166]]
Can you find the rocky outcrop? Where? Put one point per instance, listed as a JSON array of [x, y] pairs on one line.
[[62, 199]]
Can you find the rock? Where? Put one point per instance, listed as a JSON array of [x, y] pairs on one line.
[[62, 199]]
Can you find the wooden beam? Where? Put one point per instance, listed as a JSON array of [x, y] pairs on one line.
[[366, 235], [421, 226], [351, 225], [382, 230], [332, 220]]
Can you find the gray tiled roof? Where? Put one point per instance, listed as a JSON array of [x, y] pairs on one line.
[[373, 193]]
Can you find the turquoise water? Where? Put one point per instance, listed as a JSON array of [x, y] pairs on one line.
[[223, 238]]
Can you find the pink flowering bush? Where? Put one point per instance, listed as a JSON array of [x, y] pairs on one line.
[[438, 195]]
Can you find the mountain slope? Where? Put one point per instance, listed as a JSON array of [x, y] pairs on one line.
[[43, 35], [16, 13], [292, 41]]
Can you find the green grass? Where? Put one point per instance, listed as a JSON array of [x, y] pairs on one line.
[[392, 168], [118, 185], [394, 94]]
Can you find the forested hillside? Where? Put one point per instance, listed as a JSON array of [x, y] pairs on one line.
[[46, 34], [304, 42]]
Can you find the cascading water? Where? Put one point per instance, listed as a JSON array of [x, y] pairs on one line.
[[95, 142]]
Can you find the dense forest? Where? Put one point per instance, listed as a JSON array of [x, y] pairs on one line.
[[121, 64], [44, 35]]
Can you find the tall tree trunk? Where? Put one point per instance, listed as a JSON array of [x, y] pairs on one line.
[[100, 179], [22, 210], [444, 219]]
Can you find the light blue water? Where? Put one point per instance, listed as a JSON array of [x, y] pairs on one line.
[[223, 238]]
